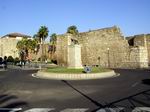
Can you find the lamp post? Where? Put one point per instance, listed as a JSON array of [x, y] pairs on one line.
[[108, 57], [35, 49], [99, 58]]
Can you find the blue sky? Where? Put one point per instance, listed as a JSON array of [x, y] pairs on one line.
[[26, 16]]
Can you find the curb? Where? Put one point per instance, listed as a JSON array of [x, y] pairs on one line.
[[3, 70], [45, 75]]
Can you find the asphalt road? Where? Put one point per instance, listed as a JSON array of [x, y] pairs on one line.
[[19, 89]]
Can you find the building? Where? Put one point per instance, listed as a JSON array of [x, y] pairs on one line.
[[8, 44]]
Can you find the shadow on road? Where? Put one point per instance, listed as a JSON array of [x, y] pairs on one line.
[[87, 97], [130, 103], [126, 104], [9, 102], [146, 81]]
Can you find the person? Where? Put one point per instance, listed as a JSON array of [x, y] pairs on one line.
[[5, 62], [23, 58]]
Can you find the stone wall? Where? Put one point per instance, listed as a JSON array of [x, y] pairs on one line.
[[141, 40], [137, 57], [107, 44], [105, 47], [8, 47], [95, 44], [61, 49]]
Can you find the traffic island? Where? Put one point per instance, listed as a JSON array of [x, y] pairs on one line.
[[74, 74]]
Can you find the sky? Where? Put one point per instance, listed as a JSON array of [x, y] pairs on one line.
[[26, 16]]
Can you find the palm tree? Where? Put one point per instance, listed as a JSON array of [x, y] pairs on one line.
[[27, 45], [72, 30], [53, 39], [20, 44], [42, 34]]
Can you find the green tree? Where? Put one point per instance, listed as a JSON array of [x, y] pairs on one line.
[[42, 34], [21, 44], [31, 44], [72, 30], [37, 38], [27, 45], [53, 39]]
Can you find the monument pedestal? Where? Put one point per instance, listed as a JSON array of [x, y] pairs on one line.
[[74, 56]]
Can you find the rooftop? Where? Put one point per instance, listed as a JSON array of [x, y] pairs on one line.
[[13, 35]]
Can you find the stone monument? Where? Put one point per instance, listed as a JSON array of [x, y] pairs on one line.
[[74, 55]]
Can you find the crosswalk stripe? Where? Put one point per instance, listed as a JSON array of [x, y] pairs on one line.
[[10, 109], [75, 110], [40, 110], [44, 109]]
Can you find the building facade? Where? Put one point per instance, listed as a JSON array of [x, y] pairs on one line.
[[8, 44]]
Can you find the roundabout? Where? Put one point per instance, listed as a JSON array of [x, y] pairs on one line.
[[74, 76]]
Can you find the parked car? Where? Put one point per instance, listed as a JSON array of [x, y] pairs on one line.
[[1, 60], [1, 63]]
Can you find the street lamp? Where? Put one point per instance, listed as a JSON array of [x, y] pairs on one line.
[[99, 59], [35, 50], [108, 57]]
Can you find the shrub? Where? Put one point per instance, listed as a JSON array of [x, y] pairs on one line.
[[16, 60], [54, 61], [39, 59], [10, 59]]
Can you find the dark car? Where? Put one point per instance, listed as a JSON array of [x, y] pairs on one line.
[[1, 60]]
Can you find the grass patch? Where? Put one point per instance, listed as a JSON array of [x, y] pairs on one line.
[[76, 71]]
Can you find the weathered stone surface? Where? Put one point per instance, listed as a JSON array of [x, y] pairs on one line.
[[8, 47], [74, 56], [141, 40], [105, 47]]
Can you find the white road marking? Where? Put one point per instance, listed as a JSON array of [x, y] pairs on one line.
[[117, 74], [34, 75], [111, 109], [40, 110], [135, 84], [11, 109], [44, 109], [75, 110]]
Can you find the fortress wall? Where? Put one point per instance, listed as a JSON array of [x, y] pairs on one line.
[[108, 44], [142, 40], [61, 50], [105, 47]]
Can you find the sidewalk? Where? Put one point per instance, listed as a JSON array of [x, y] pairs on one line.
[[45, 75], [31, 66]]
